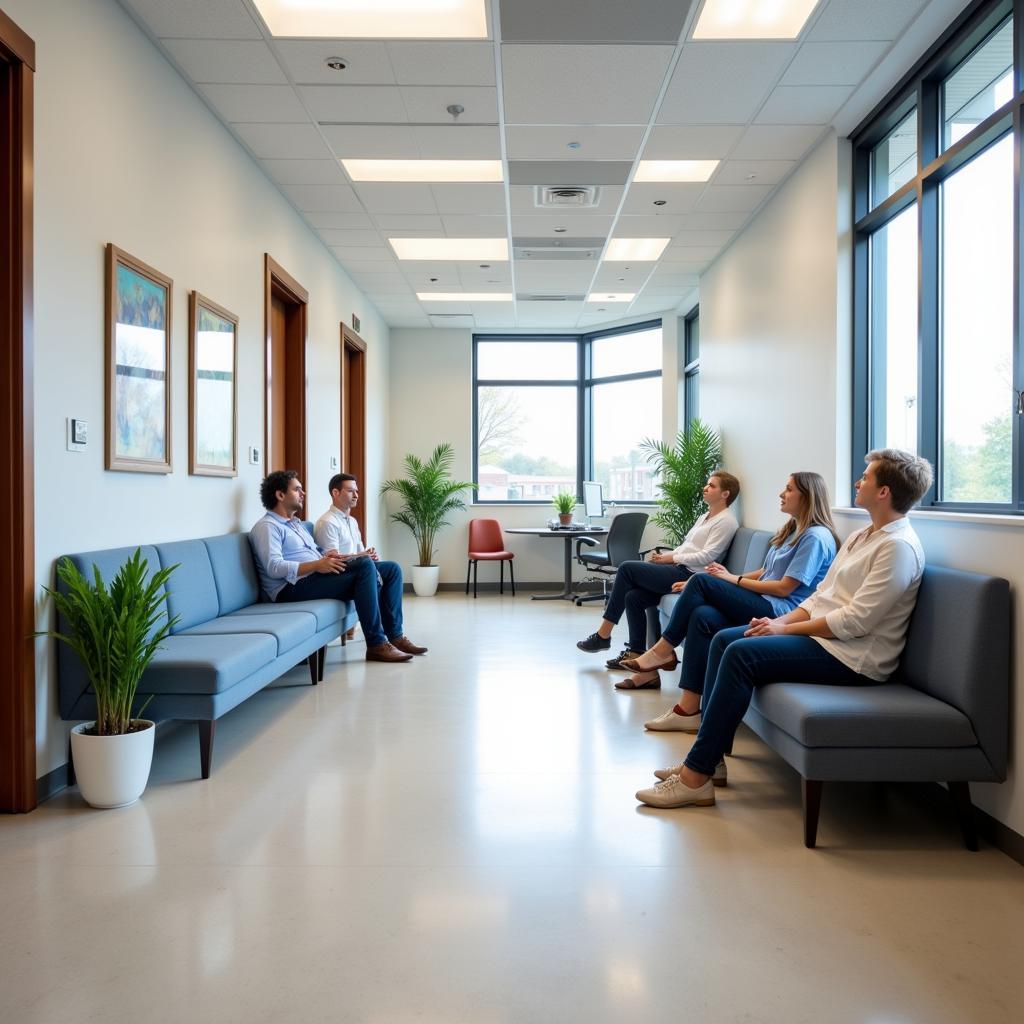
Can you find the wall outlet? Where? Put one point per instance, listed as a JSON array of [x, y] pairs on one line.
[[254, 455], [77, 434]]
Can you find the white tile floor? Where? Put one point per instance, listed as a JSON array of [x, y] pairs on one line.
[[456, 840]]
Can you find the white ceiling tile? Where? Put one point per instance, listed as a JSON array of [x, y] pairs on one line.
[[427, 104], [776, 142], [492, 320], [371, 267], [408, 222], [722, 83], [691, 141], [457, 142], [582, 84], [756, 172], [542, 225], [499, 271], [723, 198], [350, 237], [550, 277], [621, 277], [655, 304], [313, 198], [220, 60], [550, 142], [469, 198], [377, 286], [264, 103], [396, 197], [474, 226], [197, 19], [649, 226], [353, 104], [678, 270], [400, 320], [368, 63], [422, 276], [692, 253], [548, 314], [463, 63], [845, 63], [332, 219], [304, 172], [803, 104], [686, 238], [496, 278], [727, 221], [679, 198], [283, 141], [363, 252], [864, 19]]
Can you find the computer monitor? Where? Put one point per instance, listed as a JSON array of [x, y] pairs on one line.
[[593, 500]]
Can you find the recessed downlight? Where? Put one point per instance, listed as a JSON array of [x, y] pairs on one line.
[[611, 296]]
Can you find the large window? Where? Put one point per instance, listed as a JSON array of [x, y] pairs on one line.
[[550, 412], [938, 358], [691, 365]]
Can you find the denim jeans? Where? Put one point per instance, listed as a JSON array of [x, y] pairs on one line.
[[378, 602], [637, 587], [707, 605], [736, 664]]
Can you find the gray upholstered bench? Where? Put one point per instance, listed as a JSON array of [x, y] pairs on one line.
[[227, 644]]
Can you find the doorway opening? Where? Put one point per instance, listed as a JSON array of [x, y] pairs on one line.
[[353, 413]]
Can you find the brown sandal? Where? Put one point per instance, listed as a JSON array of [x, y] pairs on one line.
[[628, 684], [667, 666]]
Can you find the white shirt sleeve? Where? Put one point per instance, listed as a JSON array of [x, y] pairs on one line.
[[711, 543], [326, 533]]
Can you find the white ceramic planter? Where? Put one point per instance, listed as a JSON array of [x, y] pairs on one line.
[[112, 771], [425, 579]]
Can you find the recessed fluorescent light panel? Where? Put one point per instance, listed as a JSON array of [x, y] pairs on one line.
[[636, 250], [464, 296], [423, 170], [376, 19], [450, 248], [606, 297], [753, 19], [675, 170]]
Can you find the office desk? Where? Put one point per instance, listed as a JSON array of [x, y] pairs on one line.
[[568, 536]]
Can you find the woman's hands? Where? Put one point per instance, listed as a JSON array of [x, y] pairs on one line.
[[720, 572], [677, 588], [766, 627]]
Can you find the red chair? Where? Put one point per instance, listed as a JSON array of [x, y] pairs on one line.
[[487, 545]]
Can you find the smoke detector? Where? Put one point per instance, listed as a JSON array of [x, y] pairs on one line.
[[566, 195]]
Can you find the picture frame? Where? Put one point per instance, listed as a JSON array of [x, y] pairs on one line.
[[138, 365], [213, 388]]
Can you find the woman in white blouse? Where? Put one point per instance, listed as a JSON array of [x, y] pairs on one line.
[[641, 585]]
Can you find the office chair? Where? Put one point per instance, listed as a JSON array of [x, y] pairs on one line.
[[623, 542], [486, 544]]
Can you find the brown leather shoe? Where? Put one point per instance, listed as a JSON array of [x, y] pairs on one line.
[[403, 643], [386, 652]]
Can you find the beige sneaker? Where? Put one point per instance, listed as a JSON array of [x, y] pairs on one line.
[[673, 792], [671, 721], [720, 778]]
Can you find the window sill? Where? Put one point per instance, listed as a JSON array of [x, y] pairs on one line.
[[931, 515]]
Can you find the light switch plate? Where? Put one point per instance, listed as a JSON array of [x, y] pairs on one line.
[[77, 434], [254, 455], [334, 462]]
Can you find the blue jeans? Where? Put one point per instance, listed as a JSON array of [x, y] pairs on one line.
[[707, 605], [378, 604], [736, 664], [637, 587]]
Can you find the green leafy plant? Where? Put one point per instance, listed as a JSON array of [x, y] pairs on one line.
[[564, 502], [684, 469], [428, 494], [110, 630]]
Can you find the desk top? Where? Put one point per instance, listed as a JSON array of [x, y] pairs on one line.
[[546, 531]]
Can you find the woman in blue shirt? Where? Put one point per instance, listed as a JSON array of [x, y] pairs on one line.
[[798, 558]]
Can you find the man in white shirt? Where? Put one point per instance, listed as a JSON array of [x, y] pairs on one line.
[[851, 630], [337, 530], [641, 585]]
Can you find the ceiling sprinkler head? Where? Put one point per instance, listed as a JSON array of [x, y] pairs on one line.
[[572, 145], [659, 202], [560, 231], [336, 63], [455, 109]]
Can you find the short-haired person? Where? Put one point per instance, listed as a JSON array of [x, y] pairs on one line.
[[850, 631], [641, 585], [292, 568], [798, 558]]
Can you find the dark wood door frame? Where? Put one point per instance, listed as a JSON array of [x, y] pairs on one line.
[[280, 284], [17, 520], [353, 414]]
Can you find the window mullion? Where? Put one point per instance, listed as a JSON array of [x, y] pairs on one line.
[[929, 284]]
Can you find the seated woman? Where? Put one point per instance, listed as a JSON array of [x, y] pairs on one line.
[[850, 631], [641, 585], [798, 558]]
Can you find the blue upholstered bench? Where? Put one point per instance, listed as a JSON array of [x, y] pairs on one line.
[[227, 644]]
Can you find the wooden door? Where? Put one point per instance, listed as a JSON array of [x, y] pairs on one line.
[[353, 416]]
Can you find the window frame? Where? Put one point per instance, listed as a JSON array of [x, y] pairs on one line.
[[691, 366], [922, 88], [584, 384]]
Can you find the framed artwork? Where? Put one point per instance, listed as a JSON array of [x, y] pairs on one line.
[[213, 388], [138, 364]]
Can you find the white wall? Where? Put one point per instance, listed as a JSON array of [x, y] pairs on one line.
[[776, 375], [126, 152]]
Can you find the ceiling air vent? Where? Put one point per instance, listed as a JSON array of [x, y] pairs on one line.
[[549, 298], [566, 195]]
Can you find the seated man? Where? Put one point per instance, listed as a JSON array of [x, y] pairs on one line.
[[337, 530], [641, 585], [292, 568], [849, 632]]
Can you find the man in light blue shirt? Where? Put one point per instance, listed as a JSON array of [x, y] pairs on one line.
[[292, 568]]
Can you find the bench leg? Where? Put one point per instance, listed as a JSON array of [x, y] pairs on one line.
[[960, 793], [810, 791], [206, 731], [321, 658], [313, 661], [512, 577], [469, 567]]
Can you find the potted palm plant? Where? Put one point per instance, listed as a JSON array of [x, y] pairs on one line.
[[564, 503], [115, 631], [428, 494], [683, 469]]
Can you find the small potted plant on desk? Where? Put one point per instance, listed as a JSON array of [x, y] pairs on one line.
[[115, 632], [564, 502]]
